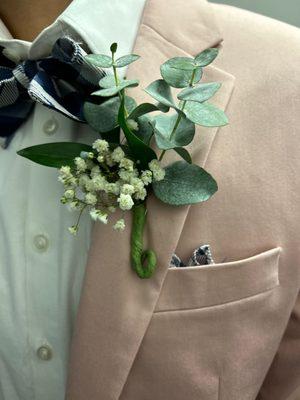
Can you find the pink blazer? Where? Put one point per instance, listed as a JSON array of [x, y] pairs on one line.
[[229, 331]]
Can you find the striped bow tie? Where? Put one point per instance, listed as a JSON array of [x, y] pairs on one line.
[[61, 81]]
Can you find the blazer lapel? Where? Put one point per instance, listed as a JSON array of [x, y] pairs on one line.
[[116, 306]]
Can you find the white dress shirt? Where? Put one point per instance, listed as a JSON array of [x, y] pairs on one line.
[[41, 263]]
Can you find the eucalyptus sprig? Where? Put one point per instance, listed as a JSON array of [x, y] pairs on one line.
[[111, 172]]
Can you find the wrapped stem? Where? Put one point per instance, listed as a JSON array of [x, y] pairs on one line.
[[143, 261]]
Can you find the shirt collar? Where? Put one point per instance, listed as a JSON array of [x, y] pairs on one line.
[[95, 23]]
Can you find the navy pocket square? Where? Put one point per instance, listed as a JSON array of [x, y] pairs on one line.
[[200, 256]]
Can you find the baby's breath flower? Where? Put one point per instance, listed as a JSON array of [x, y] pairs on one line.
[[69, 194], [98, 215], [146, 176], [158, 171], [65, 171], [118, 154], [137, 183], [127, 189], [100, 158], [112, 187], [125, 201], [80, 164], [127, 164], [109, 161], [84, 154], [111, 209], [83, 179], [99, 182], [119, 225], [126, 175], [100, 145], [132, 124], [140, 194], [73, 229], [73, 205], [95, 171], [90, 199]]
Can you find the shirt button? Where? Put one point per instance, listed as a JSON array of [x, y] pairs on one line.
[[50, 126], [41, 242], [44, 353]]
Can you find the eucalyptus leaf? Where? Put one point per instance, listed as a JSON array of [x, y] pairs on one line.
[[161, 92], [185, 183], [199, 93], [179, 78], [163, 127], [112, 136], [184, 154], [99, 60], [206, 57], [107, 81], [142, 109], [104, 117], [145, 129], [142, 153], [126, 60], [184, 63], [205, 114], [116, 89], [54, 154]]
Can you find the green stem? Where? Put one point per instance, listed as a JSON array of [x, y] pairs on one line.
[[179, 115], [138, 255]]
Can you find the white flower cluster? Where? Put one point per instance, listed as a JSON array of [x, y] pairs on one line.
[[103, 180]]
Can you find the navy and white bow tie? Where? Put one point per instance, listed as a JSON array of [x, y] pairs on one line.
[[61, 81]]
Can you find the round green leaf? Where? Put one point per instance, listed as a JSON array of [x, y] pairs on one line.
[[54, 154], [116, 89], [104, 117], [206, 57], [99, 60], [184, 154], [185, 183], [161, 92], [205, 114], [126, 60], [184, 63], [179, 78], [107, 81], [199, 93], [163, 126]]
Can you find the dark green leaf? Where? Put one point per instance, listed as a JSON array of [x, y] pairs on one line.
[[126, 60], [142, 153], [179, 78], [114, 47], [199, 93], [112, 136], [116, 89], [184, 154], [205, 114], [104, 117], [206, 57], [145, 130], [163, 127], [185, 183], [55, 154], [99, 60], [142, 109]]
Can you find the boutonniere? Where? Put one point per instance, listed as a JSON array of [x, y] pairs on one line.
[[112, 173]]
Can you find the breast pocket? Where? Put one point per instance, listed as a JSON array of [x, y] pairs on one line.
[[213, 332], [204, 286]]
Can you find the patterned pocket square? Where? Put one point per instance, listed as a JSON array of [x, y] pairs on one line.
[[200, 256]]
